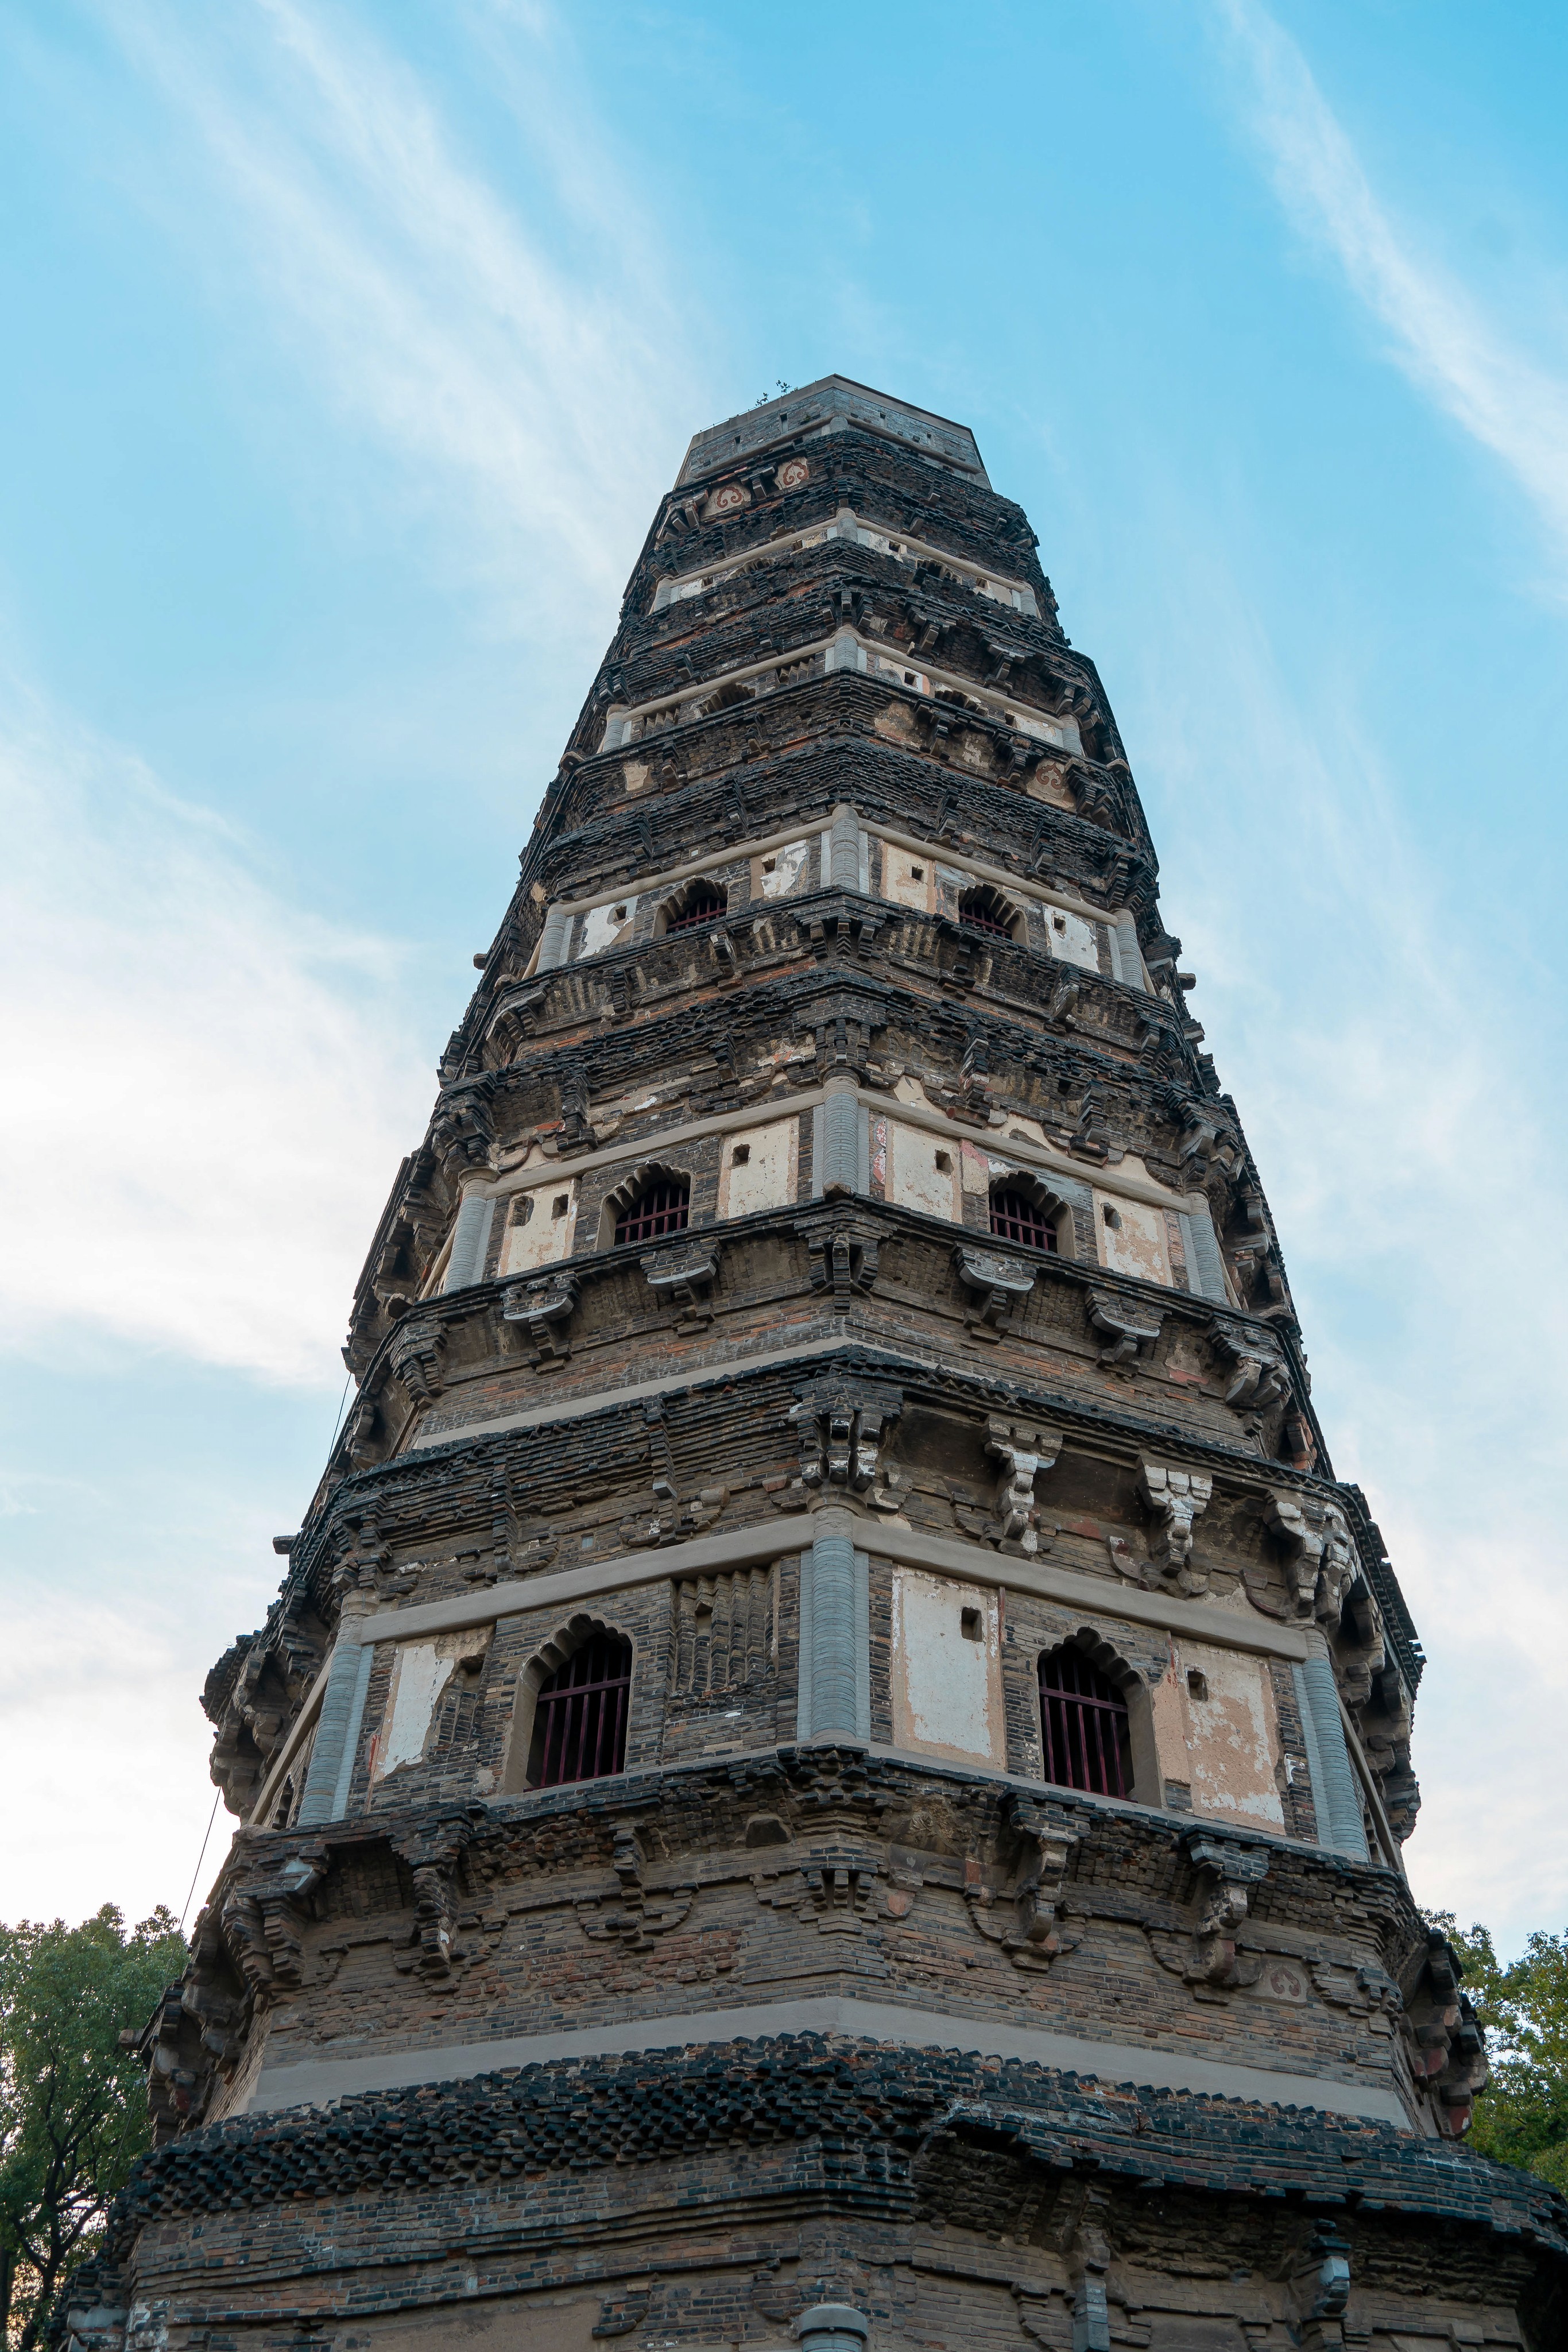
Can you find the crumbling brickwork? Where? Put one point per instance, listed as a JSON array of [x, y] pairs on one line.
[[829, 1738]]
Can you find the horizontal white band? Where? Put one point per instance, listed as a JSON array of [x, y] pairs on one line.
[[313, 2082]]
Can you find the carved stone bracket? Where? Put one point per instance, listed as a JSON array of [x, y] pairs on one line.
[[435, 1948], [998, 1284], [674, 1522], [686, 1276], [263, 1922], [1024, 1452], [842, 1427], [1129, 1324], [544, 1303], [416, 1357], [1321, 1556], [842, 1255], [633, 1918], [1257, 1373], [461, 1133], [1444, 2044], [1227, 1867], [1025, 1919], [1176, 1497]]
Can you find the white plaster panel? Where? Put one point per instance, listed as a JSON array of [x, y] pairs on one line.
[[981, 1169], [905, 675], [604, 926], [765, 1178], [546, 1232], [1072, 938], [782, 870], [421, 1672], [1232, 1737], [908, 880], [946, 1684], [1135, 1242], [914, 1180], [1044, 730]]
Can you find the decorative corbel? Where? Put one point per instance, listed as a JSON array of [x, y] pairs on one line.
[[1226, 1867], [1023, 1452], [416, 1357], [675, 1522], [263, 1922], [461, 1133], [686, 1276], [1258, 1374], [1317, 2277], [543, 1303], [1129, 1324], [841, 1431], [998, 1285], [842, 1255], [1176, 1496], [1026, 1920], [1444, 2044], [631, 1918], [1321, 1556]]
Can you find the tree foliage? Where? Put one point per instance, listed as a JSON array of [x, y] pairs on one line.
[[73, 2100], [1522, 2118]]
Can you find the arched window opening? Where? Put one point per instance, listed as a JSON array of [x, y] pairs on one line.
[[1085, 1726], [1016, 1217], [703, 905], [988, 910], [660, 1207], [580, 1716]]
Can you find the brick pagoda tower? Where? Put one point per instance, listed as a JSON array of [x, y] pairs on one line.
[[830, 1763]]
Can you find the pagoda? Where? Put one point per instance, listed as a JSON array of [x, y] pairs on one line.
[[830, 1764]]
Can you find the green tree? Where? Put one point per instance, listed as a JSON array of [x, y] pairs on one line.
[[73, 2102], [1522, 2118]]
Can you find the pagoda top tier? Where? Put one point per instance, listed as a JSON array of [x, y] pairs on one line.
[[830, 405]]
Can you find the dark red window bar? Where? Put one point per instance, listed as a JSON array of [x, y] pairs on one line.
[[695, 912], [1083, 1719], [579, 1718], [979, 916], [1015, 1218], [658, 1209]]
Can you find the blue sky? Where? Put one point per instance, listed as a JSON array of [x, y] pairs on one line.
[[349, 349]]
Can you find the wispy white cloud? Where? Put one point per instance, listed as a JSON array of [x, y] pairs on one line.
[[208, 1090], [1416, 1178], [536, 371], [1441, 335]]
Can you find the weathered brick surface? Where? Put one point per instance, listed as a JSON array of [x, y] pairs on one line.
[[836, 1350]]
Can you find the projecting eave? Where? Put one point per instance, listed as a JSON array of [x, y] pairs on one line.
[[831, 404]]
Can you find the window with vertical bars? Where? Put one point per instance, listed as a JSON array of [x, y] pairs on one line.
[[984, 910], [1015, 1217], [659, 1208], [580, 1716], [1083, 1723], [703, 907]]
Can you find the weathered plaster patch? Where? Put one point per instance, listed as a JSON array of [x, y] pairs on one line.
[[1232, 1736], [780, 871], [421, 1672], [916, 1177], [545, 1233], [604, 926], [1132, 1237], [765, 1177], [947, 1667], [908, 880]]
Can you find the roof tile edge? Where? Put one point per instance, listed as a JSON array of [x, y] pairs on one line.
[[831, 405]]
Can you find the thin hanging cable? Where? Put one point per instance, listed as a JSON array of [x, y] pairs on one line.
[[195, 1873], [342, 1400]]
